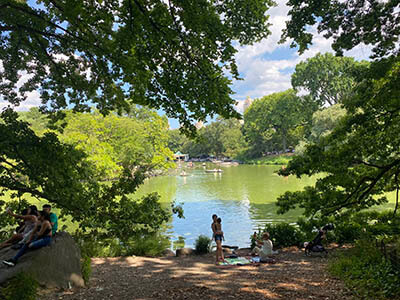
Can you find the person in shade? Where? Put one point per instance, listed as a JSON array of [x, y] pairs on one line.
[[53, 218], [29, 219], [219, 236], [40, 237], [213, 224], [265, 248]]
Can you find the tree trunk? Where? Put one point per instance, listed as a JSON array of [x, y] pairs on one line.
[[284, 143]]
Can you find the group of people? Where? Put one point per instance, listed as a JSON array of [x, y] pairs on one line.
[[264, 247], [35, 231]]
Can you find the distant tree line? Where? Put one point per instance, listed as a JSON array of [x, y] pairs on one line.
[[281, 121]]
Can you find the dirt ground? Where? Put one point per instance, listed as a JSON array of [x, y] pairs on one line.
[[293, 276]]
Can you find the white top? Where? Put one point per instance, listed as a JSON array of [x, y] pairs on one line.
[[266, 248]]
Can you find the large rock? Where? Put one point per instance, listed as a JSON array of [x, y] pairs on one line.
[[57, 265], [184, 251], [168, 253]]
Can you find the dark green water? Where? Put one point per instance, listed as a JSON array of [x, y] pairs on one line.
[[243, 196]]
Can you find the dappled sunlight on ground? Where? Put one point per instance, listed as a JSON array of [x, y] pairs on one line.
[[294, 276]]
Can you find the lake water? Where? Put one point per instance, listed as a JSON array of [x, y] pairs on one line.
[[243, 196]]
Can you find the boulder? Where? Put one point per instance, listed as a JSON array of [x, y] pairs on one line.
[[54, 266], [168, 253], [184, 251]]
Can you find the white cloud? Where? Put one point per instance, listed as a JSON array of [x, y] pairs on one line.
[[32, 98], [263, 76]]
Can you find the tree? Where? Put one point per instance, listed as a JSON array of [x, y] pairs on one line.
[[176, 140], [349, 23], [36, 120], [361, 157], [115, 142], [270, 122], [325, 121], [164, 54], [233, 140], [328, 79], [108, 55], [48, 169]]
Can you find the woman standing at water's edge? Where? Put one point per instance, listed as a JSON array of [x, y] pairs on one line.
[[218, 235]]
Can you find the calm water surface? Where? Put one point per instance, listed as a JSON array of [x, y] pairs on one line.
[[243, 196]]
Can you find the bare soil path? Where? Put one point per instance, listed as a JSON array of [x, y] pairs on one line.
[[293, 276]]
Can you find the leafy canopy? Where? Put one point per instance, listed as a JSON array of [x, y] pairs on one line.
[[272, 122], [360, 158], [115, 142], [327, 78], [57, 172], [164, 54], [348, 23]]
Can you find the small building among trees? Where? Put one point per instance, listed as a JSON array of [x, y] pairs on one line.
[[178, 156]]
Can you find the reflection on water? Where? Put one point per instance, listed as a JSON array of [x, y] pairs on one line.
[[243, 196]]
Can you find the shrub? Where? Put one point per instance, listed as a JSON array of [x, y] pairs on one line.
[[202, 245], [147, 245], [142, 245], [21, 287], [365, 270], [349, 228], [281, 235], [86, 269]]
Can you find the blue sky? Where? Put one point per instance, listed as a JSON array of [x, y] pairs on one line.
[[265, 67]]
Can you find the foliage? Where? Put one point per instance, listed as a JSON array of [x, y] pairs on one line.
[[37, 120], [21, 287], [325, 121], [5, 220], [349, 23], [116, 142], [170, 55], [367, 224], [270, 160], [219, 138], [147, 245], [202, 244], [276, 121], [328, 79], [360, 158], [48, 169], [365, 270], [281, 235], [86, 269]]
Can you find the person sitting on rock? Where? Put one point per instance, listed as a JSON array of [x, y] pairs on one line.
[[266, 250], [29, 220], [40, 237], [53, 218]]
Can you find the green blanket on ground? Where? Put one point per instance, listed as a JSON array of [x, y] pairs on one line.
[[239, 261]]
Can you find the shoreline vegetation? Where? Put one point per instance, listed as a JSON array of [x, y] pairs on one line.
[[273, 159]]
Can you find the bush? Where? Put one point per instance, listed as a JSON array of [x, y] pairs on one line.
[[142, 245], [86, 269], [365, 270], [21, 287], [281, 235], [202, 244], [349, 228], [147, 245]]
